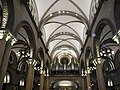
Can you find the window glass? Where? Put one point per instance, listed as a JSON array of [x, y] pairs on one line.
[[7, 78], [22, 82]]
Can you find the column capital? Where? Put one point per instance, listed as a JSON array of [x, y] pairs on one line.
[[88, 70], [4, 34], [32, 61], [47, 75], [116, 37], [97, 61], [42, 71]]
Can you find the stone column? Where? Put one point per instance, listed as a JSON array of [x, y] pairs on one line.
[[6, 41], [4, 64], [2, 49], [100, 77], [41, 79], [47, 80], [88, 79], [30, 75], [83, 82], [47, 83], [99, 72], [83, 76]]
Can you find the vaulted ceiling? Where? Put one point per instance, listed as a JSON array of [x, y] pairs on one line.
[[63, 24]]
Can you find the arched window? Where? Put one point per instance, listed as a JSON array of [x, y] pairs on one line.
[[22, 82], [7, 78], [110, 82]]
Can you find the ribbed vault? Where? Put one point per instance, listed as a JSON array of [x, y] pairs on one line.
[[63, 24]]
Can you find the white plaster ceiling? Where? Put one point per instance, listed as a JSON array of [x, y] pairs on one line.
[[63, 24]]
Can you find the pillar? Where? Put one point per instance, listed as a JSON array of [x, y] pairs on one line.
[[47, 83], [100, 77], [6, 41], [2, 49], [83, 82], [41, 79], [88, 79], [4, 64], [99, 72], [47, 79], [83, 79], [30, 75]]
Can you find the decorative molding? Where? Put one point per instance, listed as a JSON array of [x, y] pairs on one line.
[[94, 9], [4, 34], [116, 38], [42, 71], [32, 61], [88, 70], [5, 14], [96, 61]]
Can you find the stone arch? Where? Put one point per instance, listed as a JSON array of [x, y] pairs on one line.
[[88, 56], [105, 41], [102, 23], [28, 29], [108, 65], [102, 41], [56, 82], [25, 47], [41, 55], [22, 64], [12, 58], [99, 28]]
